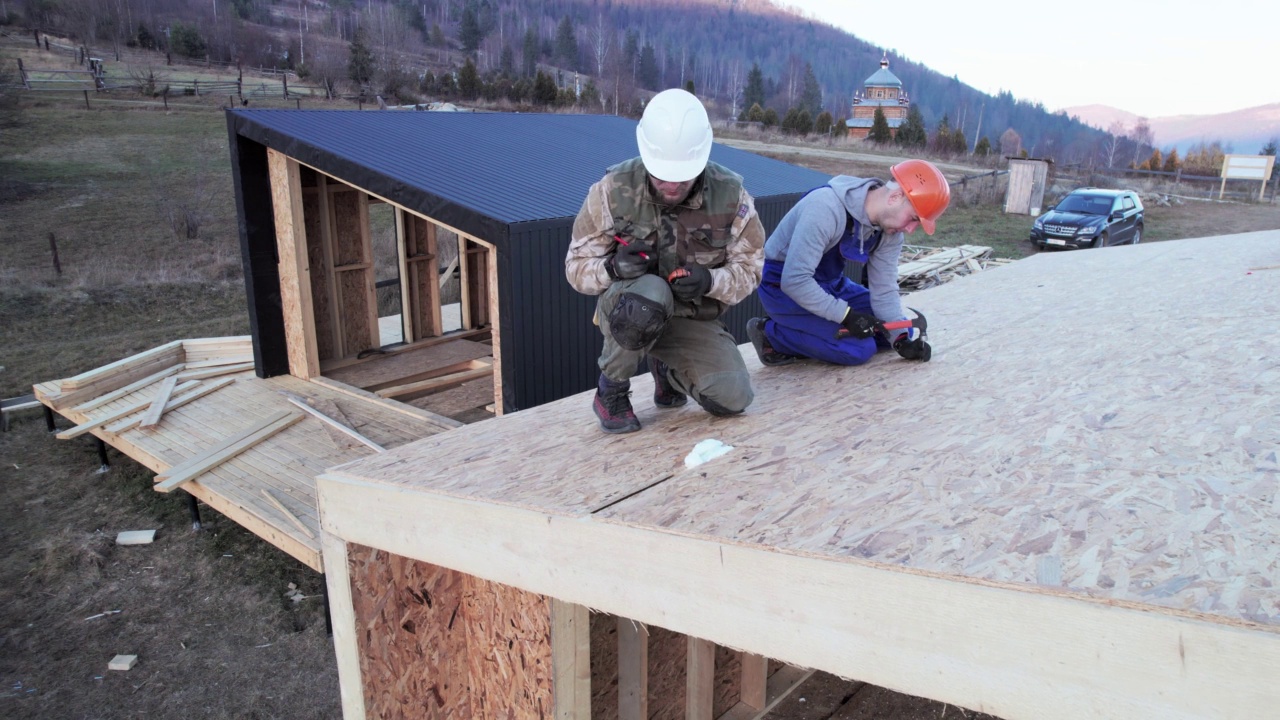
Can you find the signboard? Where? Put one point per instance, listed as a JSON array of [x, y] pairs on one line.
[[1247, 167]]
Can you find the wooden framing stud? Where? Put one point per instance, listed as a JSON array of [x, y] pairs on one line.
[[700, 687], [633, 670]]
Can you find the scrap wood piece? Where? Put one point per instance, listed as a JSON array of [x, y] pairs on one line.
[[199, 464], [215, 371], [443, 382], [138, 385], [215, 362], [85, 427], [122, 662], [152, 416], [135, 537], [340, 439], [333, 423], [196, 394], [285, 511], [142, 358]]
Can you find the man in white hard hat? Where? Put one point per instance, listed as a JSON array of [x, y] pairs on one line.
[[668, 241]]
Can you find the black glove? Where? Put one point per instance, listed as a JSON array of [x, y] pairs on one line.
[[857, 325], [916, 349], [630, 260], [690, 283]]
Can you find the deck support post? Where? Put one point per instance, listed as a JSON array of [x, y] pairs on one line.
[[194, 506], [104, 464], [48, 419]]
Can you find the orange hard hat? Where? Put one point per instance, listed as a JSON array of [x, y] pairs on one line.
[[925, 187]]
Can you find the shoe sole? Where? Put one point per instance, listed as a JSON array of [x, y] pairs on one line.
[[755, 331]]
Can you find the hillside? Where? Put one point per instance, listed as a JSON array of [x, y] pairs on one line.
[[625, 47], [1245, 131]]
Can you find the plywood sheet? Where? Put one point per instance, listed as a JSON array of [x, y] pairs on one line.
[[394, 369], [1085, 427]]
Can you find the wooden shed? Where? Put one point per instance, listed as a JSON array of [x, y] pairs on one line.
[[1071, 512], [503, 188]]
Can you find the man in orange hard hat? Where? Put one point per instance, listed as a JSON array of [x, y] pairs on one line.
[[814, 311]]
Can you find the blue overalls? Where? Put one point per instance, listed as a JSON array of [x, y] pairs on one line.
[[793, 330]]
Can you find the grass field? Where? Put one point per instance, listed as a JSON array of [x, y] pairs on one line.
[[205, 611]]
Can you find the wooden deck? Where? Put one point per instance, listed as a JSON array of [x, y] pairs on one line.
[[1071, 511], [284, 465]]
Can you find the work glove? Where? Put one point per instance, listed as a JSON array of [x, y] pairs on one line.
[[917, 349], [857, 325], [631, 259], [690, 283]]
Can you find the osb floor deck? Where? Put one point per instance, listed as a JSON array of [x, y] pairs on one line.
[[1098, 425], [286, 464]]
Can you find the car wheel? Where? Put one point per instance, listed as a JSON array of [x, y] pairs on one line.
[[1100, 241], [1137, 235]]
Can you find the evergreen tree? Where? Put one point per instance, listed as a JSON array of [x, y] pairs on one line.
[[983, 148], [959, 143], [146, 40], [507, 64], [912, 133], [544, 89], [754, 93], [468, 81], [186, 40], [360, 65], [648, 67], [631, 52], [566, 44], [790, 119], [445, 85], [822, 124], [1156, 161], [880, 133], [688, 86], [1171, 162], [811, 95], [530, 52], [590, 95], [942, 137], [770, 118], [469, 32], [427, 85], [756, 113], [1268, 149], [437, 36], [804, 122]]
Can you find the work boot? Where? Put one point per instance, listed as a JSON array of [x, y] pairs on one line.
[[613, 406], [665, 395], [760, 341]]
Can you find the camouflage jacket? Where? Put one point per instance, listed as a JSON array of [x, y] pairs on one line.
[[716, 227]]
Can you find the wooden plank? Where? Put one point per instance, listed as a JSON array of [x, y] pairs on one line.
[[425, 387], [114, 415], [404, 226], [98, 374], [396, 369], [571, 660], [122, 662], [342, 611], [135, 537], [275, 502], [349, 210], [633, 670], [295, 279], [196, 465], [755, 680], [700, 687], [454, 401], [131, 387], [477, 335], [436, 422], [239, 359], [781, 684], [66, 399], [331, 422], [151, 417], [215, 371], [195, 394]]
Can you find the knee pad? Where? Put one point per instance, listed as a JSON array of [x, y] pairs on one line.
[[636, 321]]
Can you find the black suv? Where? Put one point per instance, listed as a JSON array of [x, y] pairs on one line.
[[1090, 217]]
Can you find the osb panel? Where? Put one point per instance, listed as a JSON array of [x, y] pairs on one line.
[[321, 293], [509, 658], [604, 665], [668, 656], [478, 284], [348, 236], [1085, 425], [413, 642], [355, 299]]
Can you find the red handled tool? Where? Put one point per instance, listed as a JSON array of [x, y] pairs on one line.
[[919, 322], [678, 273], [620, 241]]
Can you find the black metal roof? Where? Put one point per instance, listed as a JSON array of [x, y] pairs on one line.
[[481, 171]]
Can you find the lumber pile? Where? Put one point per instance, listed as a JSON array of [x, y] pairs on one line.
[[923, 267]]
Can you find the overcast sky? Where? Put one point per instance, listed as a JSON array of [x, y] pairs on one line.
[[1149, 58]]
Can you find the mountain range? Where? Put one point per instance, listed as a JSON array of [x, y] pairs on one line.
[[1241, 131]]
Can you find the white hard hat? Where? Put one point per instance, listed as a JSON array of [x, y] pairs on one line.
[[674, 136]]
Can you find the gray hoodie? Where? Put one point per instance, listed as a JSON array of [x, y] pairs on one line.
[[813, 227]]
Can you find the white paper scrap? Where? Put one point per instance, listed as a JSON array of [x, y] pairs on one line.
[[705, 450]]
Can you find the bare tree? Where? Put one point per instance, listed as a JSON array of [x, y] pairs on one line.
[[1112, 144], [1142, 139], [600, 37]]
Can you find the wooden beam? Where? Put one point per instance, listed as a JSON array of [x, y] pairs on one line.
[[424, 387], [124, 377], [295, 279], [133, 361], [342, 610], [215, 362], [275, 502], [203, 462], [755, 680], [131, 387], [404, 225], [633, 670], [151, 417], [700, 680], [495, 323], [111, 417], [214, 371], [333, 423], [195, 394], [571, 660]]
